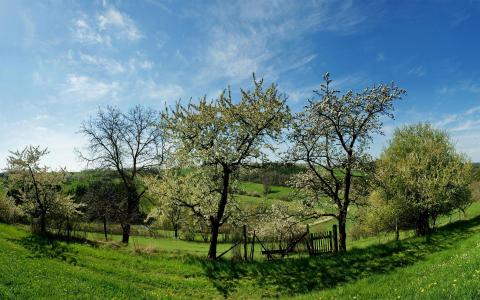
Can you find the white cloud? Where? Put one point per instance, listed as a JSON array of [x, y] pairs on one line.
[[140, 62], [472, 110], [108, 64], [466, 85], [297, 95], [235, 55], [418, 71], [249, 36], [109, 24], [465, 125], [446, 120], [153, 91], [111, 18], [146, 64], [341, 83], [348, 82], [462, 121], [160, 4], [84, 33], [84, 88]]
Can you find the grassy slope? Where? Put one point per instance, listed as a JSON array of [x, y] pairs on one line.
[[446, 267], [276, 194]]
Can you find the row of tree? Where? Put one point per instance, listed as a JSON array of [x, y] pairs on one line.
[[187, 160]]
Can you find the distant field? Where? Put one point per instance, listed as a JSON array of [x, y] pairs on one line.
[[254, 194]]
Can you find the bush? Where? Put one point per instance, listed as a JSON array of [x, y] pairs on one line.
[[253, 194], [9, 212]]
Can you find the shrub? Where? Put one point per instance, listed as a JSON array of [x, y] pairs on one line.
[[253, 194], [9, 212]]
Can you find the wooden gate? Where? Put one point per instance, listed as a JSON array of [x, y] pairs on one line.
[[322, 242], [317, 243]]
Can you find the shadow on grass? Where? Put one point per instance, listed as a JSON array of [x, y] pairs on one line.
[[48, 247], [296, 276]]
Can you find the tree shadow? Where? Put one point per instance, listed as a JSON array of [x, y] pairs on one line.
[[48, 247], [296, 276]]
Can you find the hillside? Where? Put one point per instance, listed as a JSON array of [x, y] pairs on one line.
[[446, 267]]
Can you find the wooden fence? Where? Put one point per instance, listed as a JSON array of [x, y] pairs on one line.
[[317, 243], [322, 242]]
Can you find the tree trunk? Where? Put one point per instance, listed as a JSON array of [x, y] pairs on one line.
[[126, 233], [105, 227], [176, 232], [342, 231], [43, 223], [212, 251], [397, 231], [423, 226], [215, 222], [132, 205], [342, 220]]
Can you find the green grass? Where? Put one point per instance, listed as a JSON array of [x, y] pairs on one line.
[[276, 192], [445, 266], [163, 244]]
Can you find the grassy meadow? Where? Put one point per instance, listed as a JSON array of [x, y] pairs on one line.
[[447, 266]]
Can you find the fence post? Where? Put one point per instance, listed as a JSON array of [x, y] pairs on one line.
[[335, 241], [245, 254], [309, 239], [252, 250]]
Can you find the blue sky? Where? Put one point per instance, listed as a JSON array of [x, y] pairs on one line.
[[61, 60]]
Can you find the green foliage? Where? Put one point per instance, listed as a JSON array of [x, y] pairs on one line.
[[9, 212], [378, 216], [105, 199], [184, 201], [39, 190], [331, 136], [176, 195], [221, 137], [423, 176], [226, 132]]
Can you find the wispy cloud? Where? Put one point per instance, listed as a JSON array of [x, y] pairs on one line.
[[111, 18], [150, 90], [140, 62], [249, 36], [108, 64], [465, 125], [466, 85], [84, 88], [418, 71], [84, 32], [447, 120], [105, 26], [467, 120]]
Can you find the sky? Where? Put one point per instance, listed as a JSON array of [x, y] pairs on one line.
[[60, 61]]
